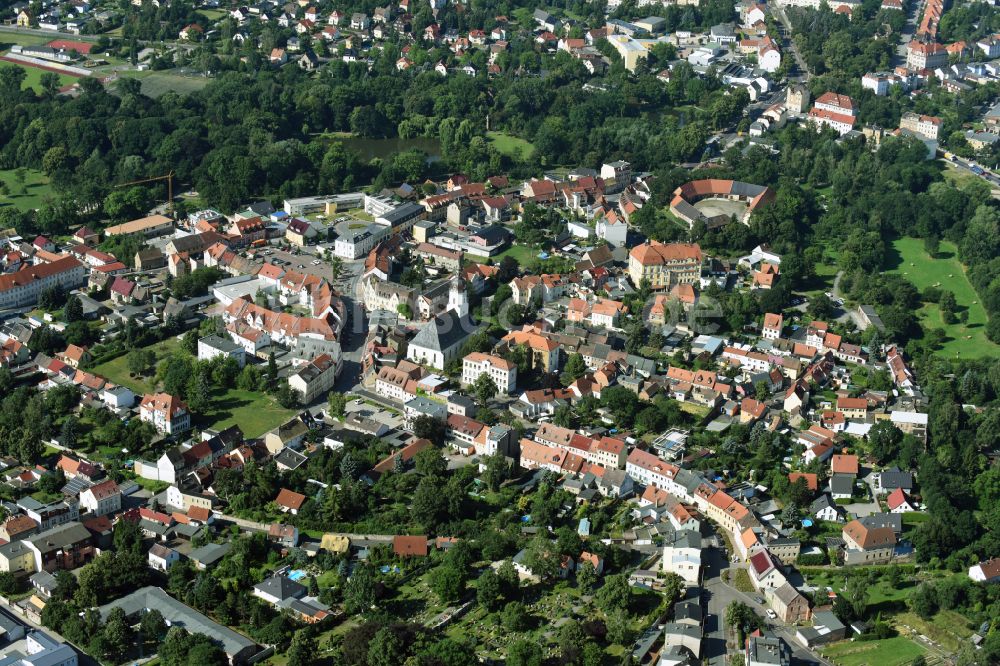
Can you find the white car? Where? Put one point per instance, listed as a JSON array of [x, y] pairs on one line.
[[771, 614], [316, 262]]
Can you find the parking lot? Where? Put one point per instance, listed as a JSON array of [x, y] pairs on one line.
[[305, 260]]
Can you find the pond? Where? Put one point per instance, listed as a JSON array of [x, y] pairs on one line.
[[369, 149]]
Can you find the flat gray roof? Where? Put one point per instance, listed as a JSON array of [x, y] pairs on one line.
[[178, 614]]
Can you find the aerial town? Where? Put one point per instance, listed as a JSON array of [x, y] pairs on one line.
[[438, 333]]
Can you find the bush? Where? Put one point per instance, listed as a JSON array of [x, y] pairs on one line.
[[813, 560]]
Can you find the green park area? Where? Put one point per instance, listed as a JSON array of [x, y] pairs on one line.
[[116, 370], [511, 146], [825, 271], [944, 271], [254, 411], [25, 189]]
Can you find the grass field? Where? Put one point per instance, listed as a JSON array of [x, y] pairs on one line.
[[741, 581], [959, 177], [511, 146], [890, 652], [254, 412], [826, 272], [213, 14], [9, 39], [156, 84], [33, 79], [882, 593], [520, 253], [909, 259], [117, 370], [36, 186]]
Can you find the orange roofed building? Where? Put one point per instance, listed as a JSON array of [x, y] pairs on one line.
[[665, 265], [167, 413]]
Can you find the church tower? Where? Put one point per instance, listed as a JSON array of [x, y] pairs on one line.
[[458, 299]]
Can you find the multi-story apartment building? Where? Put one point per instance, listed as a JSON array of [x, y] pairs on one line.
[[167, 413], [25, 286], [926, 126], [925, 55], [502, 371], [316, 378], [49, 515]]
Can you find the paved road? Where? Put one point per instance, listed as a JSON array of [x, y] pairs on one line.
[[912, 20], [356, 539], [352, 340], [799, 60], [844, 313], [988, 175], [53, 34]]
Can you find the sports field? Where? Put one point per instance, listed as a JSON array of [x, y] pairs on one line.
[[946, 272], [33, 79]]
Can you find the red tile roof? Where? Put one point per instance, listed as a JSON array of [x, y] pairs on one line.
[[843, 463], [812, 483], [29, 274], [290, 499], [409, 546]]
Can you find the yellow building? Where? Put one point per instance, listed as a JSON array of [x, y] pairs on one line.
[[335, 543], [665, 265], [16, 557]]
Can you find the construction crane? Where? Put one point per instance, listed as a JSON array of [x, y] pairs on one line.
[[170, 188]]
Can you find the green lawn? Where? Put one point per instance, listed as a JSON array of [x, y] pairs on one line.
[[36, 189], [9, 39], [156, 84], [945, 271], [913, 518], [741, 581], [360, 214], [117, 370], [254, 412], [521, 253], [213, 14], [958, 177], [881, 593], [511, 146], [890, 652]]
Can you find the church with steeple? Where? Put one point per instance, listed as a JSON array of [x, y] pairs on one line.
[[440, 340]]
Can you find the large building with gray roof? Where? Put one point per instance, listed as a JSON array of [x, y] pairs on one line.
[[237, 647]]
